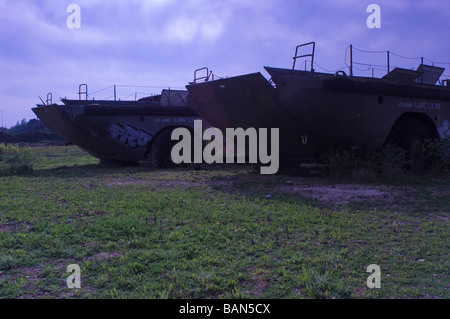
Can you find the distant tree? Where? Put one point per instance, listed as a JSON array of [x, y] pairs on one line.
[[5, 138], [20, 127], [33, 131]]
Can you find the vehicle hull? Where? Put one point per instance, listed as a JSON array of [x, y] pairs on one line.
[[114, 131], [317, 112]]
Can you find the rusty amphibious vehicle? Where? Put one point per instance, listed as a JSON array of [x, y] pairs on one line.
[[314, 112], [319, 111], [121, 131]]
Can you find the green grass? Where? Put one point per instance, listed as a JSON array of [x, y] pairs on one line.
[[180, 233]]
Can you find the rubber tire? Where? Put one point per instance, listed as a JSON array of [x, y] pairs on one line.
[[160, 150]]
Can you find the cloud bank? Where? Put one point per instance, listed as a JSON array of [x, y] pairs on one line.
[[161, 42]]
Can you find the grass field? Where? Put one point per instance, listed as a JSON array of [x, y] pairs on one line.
[[223, 232]]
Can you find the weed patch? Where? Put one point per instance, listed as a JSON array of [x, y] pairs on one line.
[[390, 162], [18, 164]]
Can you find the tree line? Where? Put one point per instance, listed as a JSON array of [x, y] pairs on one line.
[[32, 131]]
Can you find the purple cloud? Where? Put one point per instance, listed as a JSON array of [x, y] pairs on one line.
[[160, 43]]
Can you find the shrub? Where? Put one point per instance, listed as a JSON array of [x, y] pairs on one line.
[[433, 155], [17, 164], [386, 161], [7, 262], [8, 149], [390, 161], [342, 162]]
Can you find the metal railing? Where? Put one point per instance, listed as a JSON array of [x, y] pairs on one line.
[[210, 76], [388, 67], [206, 78], [49, 99], [313, 44], [85, 92]]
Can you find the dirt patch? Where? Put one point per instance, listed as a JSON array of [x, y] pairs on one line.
[[259, 281], [102, 256], [444, 219], [424, 199], [340, 194], [6, 228], [158, 183], [393, 198], [326, 194], [14, 227]]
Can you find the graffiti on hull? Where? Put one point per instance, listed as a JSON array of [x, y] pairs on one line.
[[129, 135]]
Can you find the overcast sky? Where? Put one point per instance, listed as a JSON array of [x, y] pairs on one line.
[[159, 43]]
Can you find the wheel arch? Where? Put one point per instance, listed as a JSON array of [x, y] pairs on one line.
[[163, 131], [424, 118]]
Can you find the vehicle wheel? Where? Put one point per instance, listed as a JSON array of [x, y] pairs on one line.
[[160, 150]]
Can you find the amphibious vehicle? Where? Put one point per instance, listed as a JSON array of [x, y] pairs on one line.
[[317, 112], [121, 131]]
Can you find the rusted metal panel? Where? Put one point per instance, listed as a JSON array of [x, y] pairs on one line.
[[117, 130], [319, 111]]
